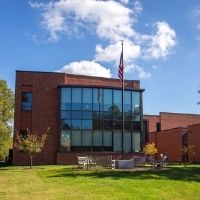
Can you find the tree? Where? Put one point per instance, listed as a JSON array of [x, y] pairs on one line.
[[187, 151], [150, 150], [5, 140], [6, 118], [31, 143]]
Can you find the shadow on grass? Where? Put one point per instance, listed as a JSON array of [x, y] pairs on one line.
[[172, 173]]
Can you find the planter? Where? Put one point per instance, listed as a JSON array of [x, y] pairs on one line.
[[124, 164]]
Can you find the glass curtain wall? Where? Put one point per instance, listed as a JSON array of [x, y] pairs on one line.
[[91, 119]]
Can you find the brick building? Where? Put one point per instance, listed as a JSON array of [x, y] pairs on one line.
[[170, 131], [84, 115]]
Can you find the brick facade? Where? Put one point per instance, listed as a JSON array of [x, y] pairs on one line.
[[45, 107], [194, 139], [170, 138]]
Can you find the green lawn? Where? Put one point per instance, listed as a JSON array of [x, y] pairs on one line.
[[69, 182]]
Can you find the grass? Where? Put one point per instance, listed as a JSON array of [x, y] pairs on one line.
[[69, 182]]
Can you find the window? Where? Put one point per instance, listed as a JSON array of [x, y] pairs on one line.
[[27, 101], [87, 138], [127, 142], [87, 98], [91, 119], [136, 106], [117, 141], [136, 142], [65, 99], [127, 101], [158, 126], [76, 99], [107, 99]]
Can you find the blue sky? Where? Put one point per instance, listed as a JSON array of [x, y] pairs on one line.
[[161, 44]]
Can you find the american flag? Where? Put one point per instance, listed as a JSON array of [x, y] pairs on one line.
[[121, 68]]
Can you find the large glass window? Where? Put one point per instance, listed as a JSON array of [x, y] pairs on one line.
[[91, 119], [26, 101]]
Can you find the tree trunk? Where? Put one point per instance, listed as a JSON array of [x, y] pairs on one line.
[[31, 161]]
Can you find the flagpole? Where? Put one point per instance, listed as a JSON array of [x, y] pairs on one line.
[[122, 104]]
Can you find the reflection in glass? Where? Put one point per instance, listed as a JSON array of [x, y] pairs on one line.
[[65, 124], [76, 137], [136, 102], [117, 101], [65, 140], [65, 114], [117, 141], [107, 124], [94, 117], [26, 101], [76, 124], [136, 142], [87, 138], [87, 98], [127, 142], [107, 99], [65, 98], [107, 138], [97, 138], [76, 114], [117, 125], [127, 101], [76, 98], [86, 115], [86, 124]]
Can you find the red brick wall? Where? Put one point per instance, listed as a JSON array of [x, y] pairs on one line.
[[45, 107], [173, 120], [152, 137], [95, 81], [152, 121], [44, 112], [194, 139], [168, 141]]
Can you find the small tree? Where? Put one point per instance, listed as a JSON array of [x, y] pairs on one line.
[[150, 150], [31, 143], [187, 151]]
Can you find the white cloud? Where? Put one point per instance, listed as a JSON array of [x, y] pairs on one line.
[[112, 52], [110, 19], [132, 68], [161, 43], [89, 68]]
